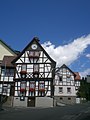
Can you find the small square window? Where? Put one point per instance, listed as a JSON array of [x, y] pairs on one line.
[[60, 89], [61, 98], [69, 98], [68, 90]]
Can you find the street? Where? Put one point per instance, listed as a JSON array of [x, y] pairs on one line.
[[73, 112]]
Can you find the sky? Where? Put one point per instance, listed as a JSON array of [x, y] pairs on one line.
[[63, 27]]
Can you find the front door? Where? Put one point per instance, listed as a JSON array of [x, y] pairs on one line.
[[31, 102]]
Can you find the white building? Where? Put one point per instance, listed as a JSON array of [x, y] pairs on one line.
[[66, 84]]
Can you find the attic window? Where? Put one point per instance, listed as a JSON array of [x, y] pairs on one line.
[[33, 54]]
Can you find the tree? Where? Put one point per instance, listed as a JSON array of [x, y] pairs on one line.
[[84, 89]]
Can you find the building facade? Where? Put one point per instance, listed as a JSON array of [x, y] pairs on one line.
[[30, 79], [33, 76], [66, 85]]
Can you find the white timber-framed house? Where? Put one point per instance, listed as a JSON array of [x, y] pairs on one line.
[[66, 85], [34, 75]]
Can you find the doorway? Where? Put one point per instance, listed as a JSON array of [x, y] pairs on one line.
[[31, 102]]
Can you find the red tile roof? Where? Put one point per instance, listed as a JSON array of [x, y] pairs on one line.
[[7, 61], [78, 77]]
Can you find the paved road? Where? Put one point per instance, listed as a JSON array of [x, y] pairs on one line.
[[75, 112]]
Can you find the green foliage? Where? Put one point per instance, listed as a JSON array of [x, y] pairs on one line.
[[84, 90]]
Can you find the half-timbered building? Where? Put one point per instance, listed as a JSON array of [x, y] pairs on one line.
[[66, 85], [6, 69], [34, 76], [7, 74]]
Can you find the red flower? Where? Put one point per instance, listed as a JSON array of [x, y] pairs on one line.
[[23, 72], [22, 90], [32, 89]]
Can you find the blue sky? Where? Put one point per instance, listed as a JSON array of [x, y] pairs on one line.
[[61, 22]]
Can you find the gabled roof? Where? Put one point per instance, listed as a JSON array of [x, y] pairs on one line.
[[64, 66], [36, 40], [7, 61], [8, 47]]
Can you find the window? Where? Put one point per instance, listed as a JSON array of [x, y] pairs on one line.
[[32, 86], [68, 78], [23, 67], [5, 88], [61, 98], [68, 90], [41, 86], [9, 72], [60, 78], [36, 68], [34, 54], [31, 54], [64, 71], [23, 88], [69, 98], [23, 71], [3, 71], [41, 89], [60, 90], [37, 54], [12, 72]]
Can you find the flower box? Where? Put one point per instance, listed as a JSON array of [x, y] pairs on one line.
[[42, 90], [31, 89], [22, 90], [23, 72]]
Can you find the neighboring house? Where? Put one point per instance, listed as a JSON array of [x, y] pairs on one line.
[[7, 74], [6, 82], [66, 85], [5, 50], [34, 76], [6, 55], [77, 81]]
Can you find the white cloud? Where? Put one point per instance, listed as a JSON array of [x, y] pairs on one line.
[[85, 73], [88, 56], [67, 54]]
